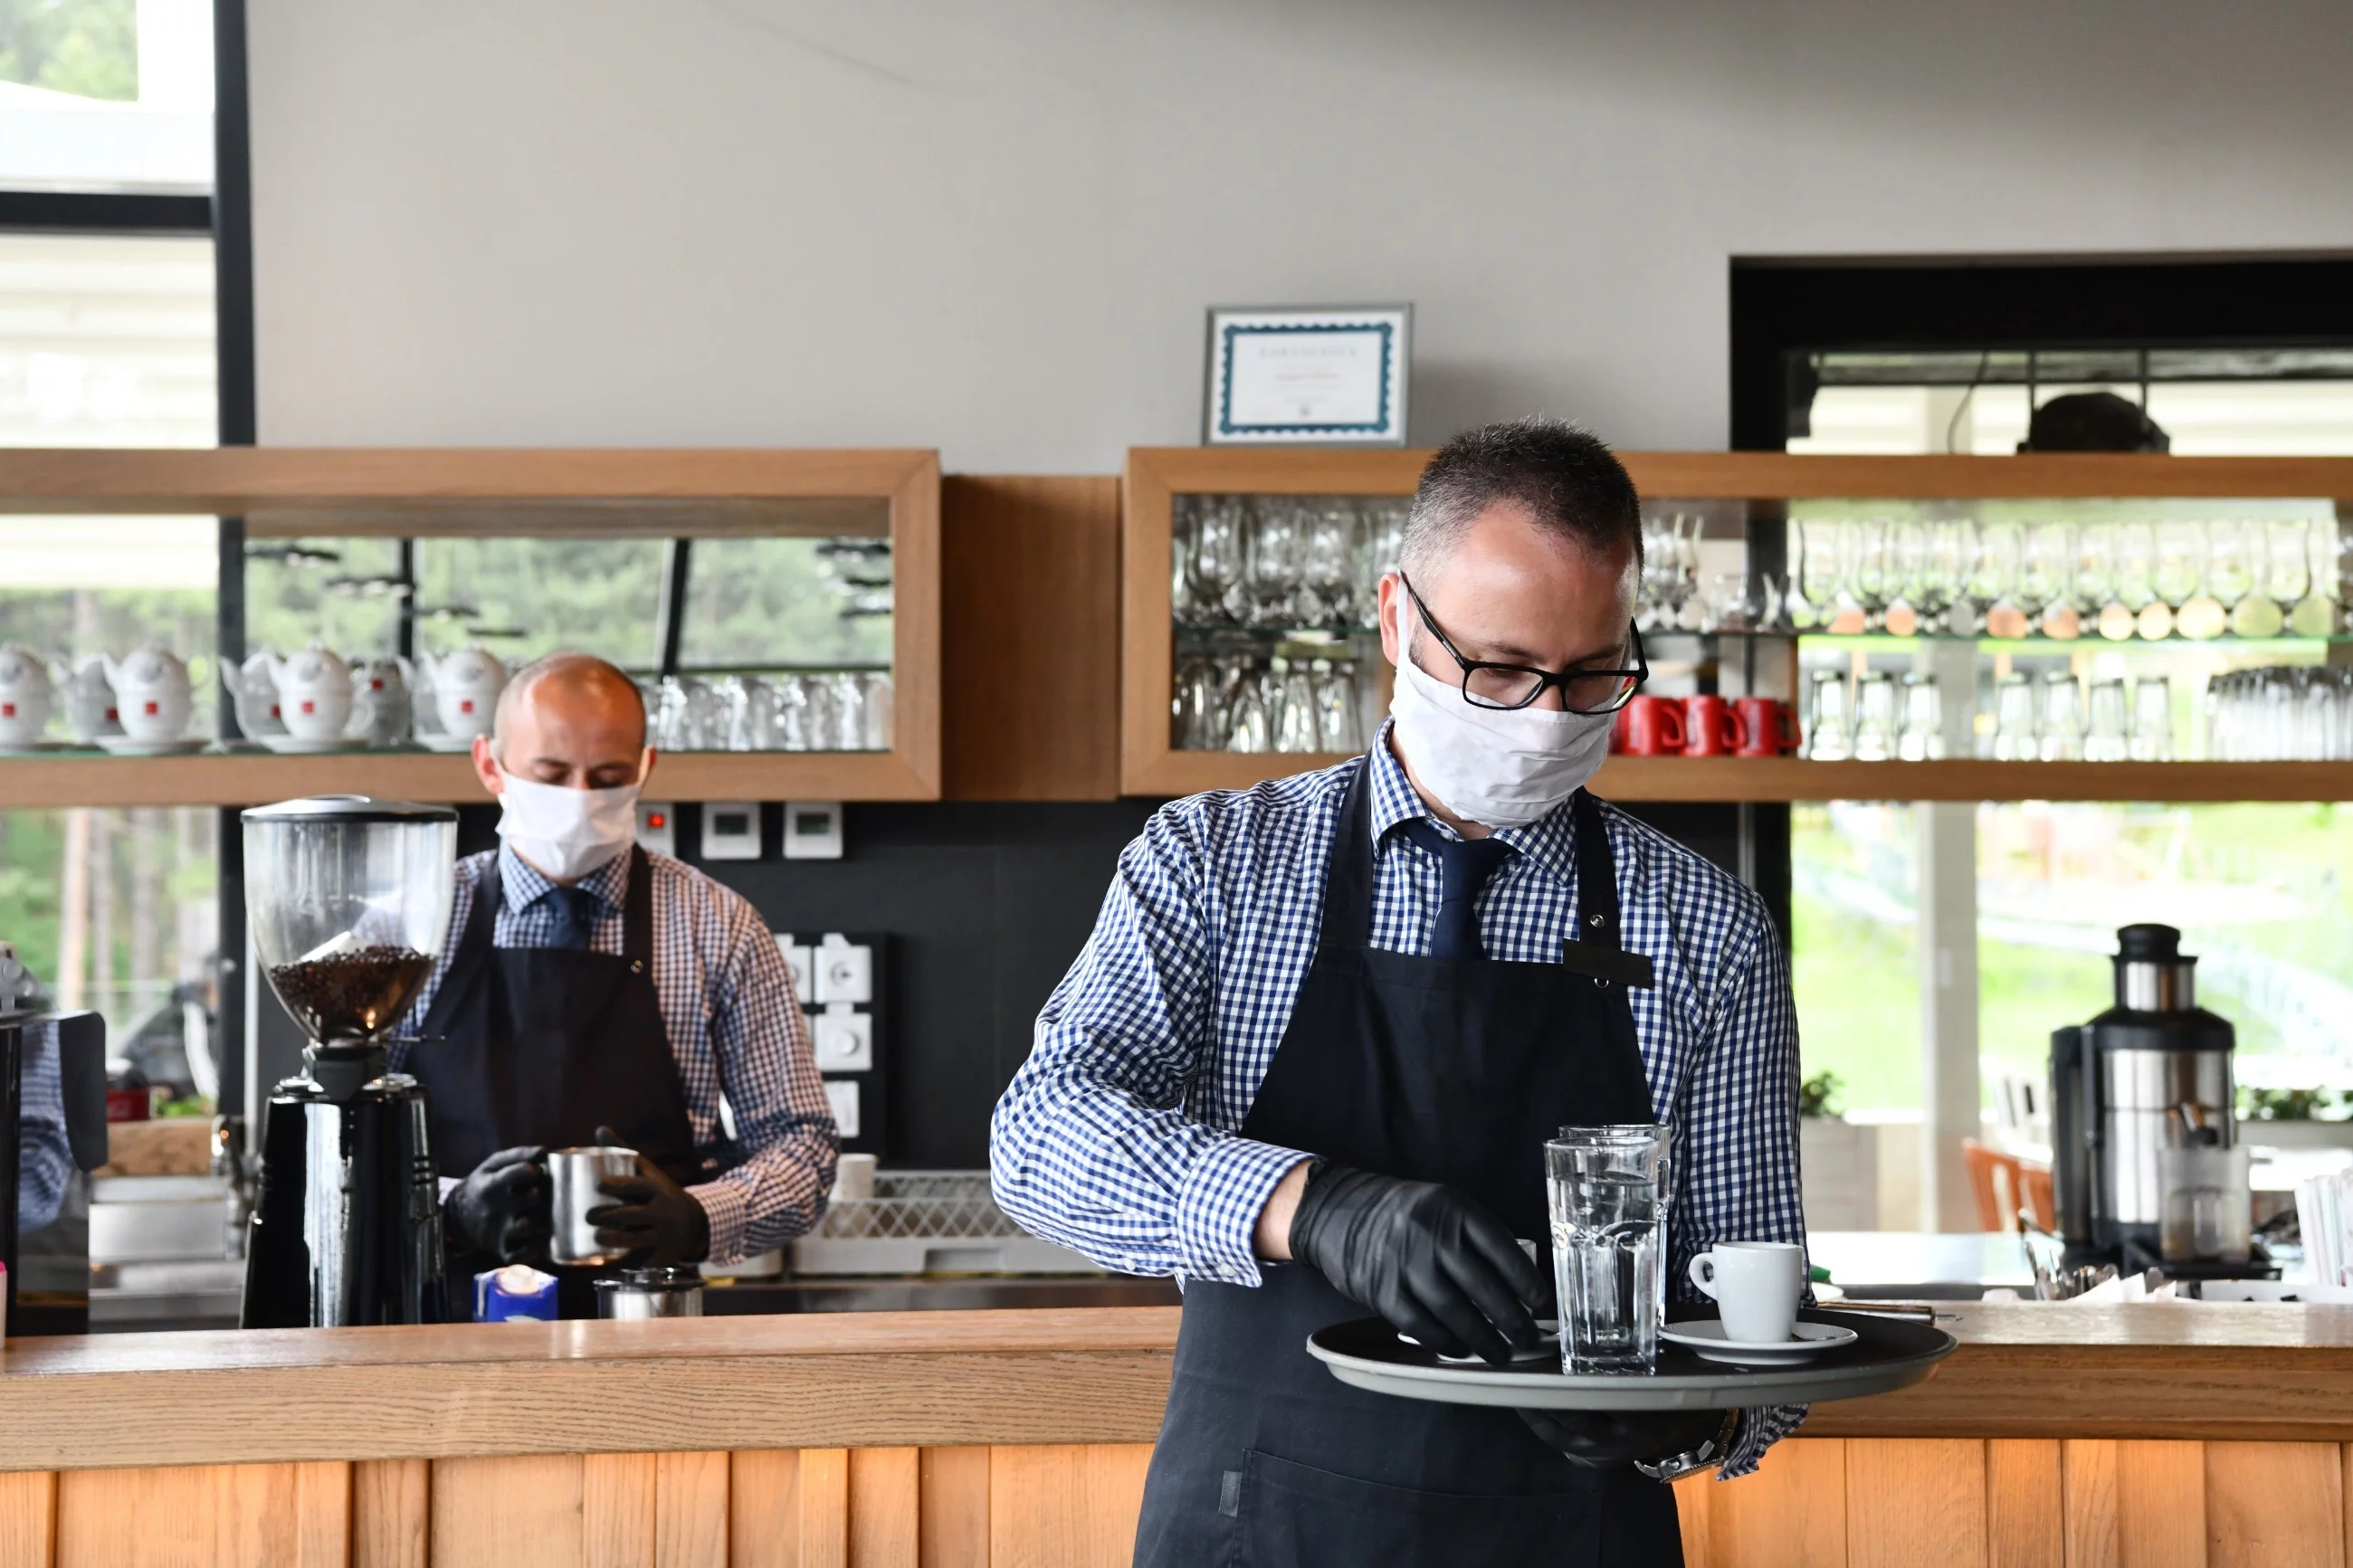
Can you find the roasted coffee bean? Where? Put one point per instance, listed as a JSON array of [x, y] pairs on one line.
[[351, 995]]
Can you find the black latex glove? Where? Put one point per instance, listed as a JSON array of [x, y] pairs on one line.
[[657, 1222], [1435, 1264], [502, 1207], [1606, 1439]]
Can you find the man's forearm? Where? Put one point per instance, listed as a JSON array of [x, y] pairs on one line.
[[1272, 1235]]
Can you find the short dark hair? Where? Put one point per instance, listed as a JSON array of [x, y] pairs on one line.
[[1568, 479]]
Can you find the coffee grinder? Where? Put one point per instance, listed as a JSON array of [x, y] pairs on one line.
[[348, 903], [2147, 1165]]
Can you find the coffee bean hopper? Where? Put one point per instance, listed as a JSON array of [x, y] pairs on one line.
[[347, 899]]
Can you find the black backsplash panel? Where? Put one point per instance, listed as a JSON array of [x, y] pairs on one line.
[[987, 903]]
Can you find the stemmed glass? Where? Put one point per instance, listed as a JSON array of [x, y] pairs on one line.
[[2180, 556], [1908, 551], [2136, 583], [2095, 582], [1820, 576], [1327, 576], [1274, 554], [2045, 579], [1869, 571], [1215, 561], [2286, 586], [2230, 578], [1994, 577]]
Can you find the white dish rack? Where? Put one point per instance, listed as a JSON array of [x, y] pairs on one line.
[[928, 1222]]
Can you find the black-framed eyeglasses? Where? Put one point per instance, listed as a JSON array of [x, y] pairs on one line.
[[1513, 686]]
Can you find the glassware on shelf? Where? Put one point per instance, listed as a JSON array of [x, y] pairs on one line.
[[1328, 573], [2059, 738], [2285, 580], [2107, 730], [2136, 583], [1923, 736], [1875, 718], [2014, 732], [1731, 606], [1273, 557], [1870, 575], [1908, 552], [2179, 563], [2280, 714], [2229, 576], [2046, 580], [2152, 720], [1830, 728], [1215, 572], [1292, 718], [1993, 580], [1822, 579], [878, 710], [1249, 725], [1193, 720], [1336, 728]]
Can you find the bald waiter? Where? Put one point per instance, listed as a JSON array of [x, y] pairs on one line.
[[591, 987]]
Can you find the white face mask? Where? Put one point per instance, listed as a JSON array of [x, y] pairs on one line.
[[1500, 769], [566, 833]]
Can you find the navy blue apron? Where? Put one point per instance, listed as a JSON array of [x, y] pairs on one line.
[[545, 1045], [1438, 1070]]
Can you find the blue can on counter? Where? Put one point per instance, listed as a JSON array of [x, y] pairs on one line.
[[517, 1293]]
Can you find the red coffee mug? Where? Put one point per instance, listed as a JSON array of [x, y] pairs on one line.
[[1710, 730], [1653, 726], [1766, 728]]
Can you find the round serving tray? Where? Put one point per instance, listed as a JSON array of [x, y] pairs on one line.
[[1889, 1353]]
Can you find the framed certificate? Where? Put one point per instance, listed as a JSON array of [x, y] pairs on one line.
[[1329, 377]]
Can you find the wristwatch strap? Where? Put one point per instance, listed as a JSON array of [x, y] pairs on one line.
[[1675, 1467]]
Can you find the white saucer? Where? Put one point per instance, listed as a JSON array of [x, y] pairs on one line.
[[1704, 1337], [288, 746], [1547, 1348], [34, 749], [124, 746], [438, 743]]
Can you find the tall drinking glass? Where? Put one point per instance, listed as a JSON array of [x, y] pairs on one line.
[[1608, 1188]]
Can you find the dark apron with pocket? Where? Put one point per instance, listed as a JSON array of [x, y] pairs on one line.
[[545, 1045], [1439, 1070]]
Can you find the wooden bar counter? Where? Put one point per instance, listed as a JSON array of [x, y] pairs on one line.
[[2058, 1436]]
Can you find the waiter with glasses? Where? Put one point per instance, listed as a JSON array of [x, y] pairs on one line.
[[1309, 1060]]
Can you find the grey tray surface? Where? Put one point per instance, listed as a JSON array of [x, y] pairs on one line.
[[1888, 1353]]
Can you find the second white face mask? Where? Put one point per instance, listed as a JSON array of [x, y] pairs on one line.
[[1486, 765], [566, 833]]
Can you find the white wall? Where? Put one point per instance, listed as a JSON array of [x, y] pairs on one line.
[[991, 226]]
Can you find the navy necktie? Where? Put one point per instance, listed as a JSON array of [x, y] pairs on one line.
[[1463, 867], [575, 916]]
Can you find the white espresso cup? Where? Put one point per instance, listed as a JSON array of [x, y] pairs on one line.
[[1755, 1285]]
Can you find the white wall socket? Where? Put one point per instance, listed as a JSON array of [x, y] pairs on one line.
[[842, 1038]]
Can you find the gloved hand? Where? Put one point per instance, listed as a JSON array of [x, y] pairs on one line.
[[1436, 1265], [658, 1222], [1605, 1439], [502, 1207]]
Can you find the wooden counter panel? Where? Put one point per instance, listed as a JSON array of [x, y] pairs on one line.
[[1093, 1375], [441, 1410]]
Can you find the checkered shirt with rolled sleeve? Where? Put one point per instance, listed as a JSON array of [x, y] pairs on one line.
[[1118, 1137]]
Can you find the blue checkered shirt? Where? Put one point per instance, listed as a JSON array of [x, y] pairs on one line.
[[727, 1003], [1118, 1136]]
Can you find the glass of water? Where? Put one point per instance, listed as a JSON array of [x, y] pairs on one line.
[[1608, 1191]]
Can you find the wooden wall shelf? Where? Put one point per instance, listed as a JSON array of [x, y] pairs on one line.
[[1634, 779], [250, 779], [503, 492], [1157, 476]]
